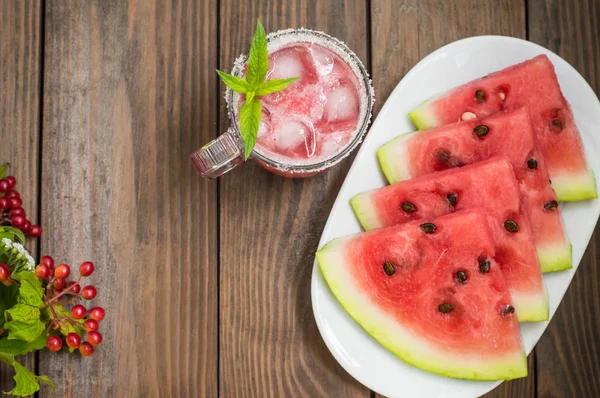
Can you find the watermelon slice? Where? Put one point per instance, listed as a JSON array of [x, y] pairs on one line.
[[506, 134], [469, 187], [532, 83], [417, 289]]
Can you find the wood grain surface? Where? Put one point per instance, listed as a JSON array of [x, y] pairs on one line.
[[568, 353], [129, 92], [207, 284], [20, 24], [270, 228]]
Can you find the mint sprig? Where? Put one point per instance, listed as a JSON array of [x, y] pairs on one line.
[[254, 86]]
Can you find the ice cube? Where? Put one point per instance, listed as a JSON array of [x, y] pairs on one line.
[[293, 134], [342, 104], [322, 60], [286, 64]]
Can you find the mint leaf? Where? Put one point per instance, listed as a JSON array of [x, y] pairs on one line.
[[20, 347], [274, 85], [235, 83], [26, 381], [250, 113], [258, 60], [13, 233], [30, 291], [250, 96], [3, 170], [23, 323]]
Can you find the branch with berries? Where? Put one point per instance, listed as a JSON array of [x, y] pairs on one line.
[[39, 306]]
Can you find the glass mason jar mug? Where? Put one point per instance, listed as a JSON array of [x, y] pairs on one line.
[[310, 126]]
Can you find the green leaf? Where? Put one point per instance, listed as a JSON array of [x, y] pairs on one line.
[[3, 170], [26, 382], [30, 291], [13, 233], [250, 96], [250, 114], [8, 298], [258, 61], [23, 323], [233, 82], [20, 347], [274, 85], [66, 326]]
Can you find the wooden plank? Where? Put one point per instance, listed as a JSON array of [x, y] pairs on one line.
[[404, 31], [569, 352], [129, 93], [20, 24], [270, 228]]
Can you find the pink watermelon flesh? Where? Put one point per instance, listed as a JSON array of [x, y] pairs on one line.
[[477, 339], [509, 134], [532, 83], [471, 186]]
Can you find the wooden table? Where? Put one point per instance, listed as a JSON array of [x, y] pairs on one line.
[[207, 284]]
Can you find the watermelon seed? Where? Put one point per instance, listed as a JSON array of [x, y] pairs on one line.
[[480, 96], [408, 207], [468, 116], [442, 155], [389, 268], [553, 204], [532, 163], [445, 308], [428, 228], [557, 124], [481, 130], [511, 226], [502, 96], [509, 309], [461, 276], [484, 266], [452, 199]]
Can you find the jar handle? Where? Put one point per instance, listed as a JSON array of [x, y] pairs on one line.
[[219, 156]]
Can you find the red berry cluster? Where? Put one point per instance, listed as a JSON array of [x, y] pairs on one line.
[[12, 212], [58, 289]]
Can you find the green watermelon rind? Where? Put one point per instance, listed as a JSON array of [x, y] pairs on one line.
[[364, 211], [421, 116], [390, 159], [556, 259], [576, 188], [390, 334]]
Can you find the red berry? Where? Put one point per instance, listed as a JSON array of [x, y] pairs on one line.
[[86, 349], [97, 313], [13, 194], [78, 311], [60, 283], [12, 181], [54, 343], [27, 227], [86, 269], [16, 202], [42, 271], [88, 292], [90, 325], [4, 185], [18, 221], [62, 271], [4, 271], [74, 287], [94, 337], [35, 231], [17, 211], [4, 203], [73, 340], [48, 261]]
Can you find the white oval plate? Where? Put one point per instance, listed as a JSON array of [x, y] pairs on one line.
[[448, 67]]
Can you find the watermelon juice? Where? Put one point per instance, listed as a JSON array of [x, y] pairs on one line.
[[315, 122]]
